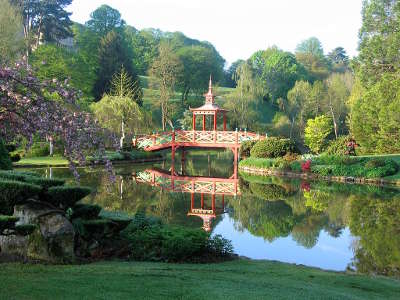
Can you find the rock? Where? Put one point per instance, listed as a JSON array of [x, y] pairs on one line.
[[52, 241]]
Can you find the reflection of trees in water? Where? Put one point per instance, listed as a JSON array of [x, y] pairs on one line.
[[376, 222], [372, 214]]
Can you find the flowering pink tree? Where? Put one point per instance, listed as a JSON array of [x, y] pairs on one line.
[[30, 107]]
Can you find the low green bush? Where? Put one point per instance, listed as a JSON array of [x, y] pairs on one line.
[[152, 240], [354, 167], [85, 211], [38, 149], [25, 229], [338, 146], [14, 192], [245, 148], [7, 222], [295, 166], [30, 177], [273, 147], [66, 196], [264, 163]]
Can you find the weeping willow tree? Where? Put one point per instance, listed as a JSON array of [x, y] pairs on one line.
[[118, 111]]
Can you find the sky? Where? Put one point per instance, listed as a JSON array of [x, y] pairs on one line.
[[238, 28]]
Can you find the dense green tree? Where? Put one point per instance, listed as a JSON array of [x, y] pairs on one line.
[[339, 60], [311, 54], [105, 19], [375, 116], [317, 132], [338, 91], [379, 40], [164, 73], [278, 70], [198, 63], [374, 104], [230, 73], [241, 102], [44, 20], [11, 41], [112, 55], [51, 61]]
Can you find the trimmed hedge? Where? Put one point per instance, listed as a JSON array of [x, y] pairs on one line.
[[7, 222], [66, 196], [273, 147], [14, 192], [85, 211], [30, 177]]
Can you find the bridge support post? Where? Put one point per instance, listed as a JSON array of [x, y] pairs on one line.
[[173, 160]]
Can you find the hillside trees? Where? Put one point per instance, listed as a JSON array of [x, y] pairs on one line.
[[375, 110], [164, 73], [113, 54], [198, 62], [45, 20], [105, 19], [11, 41]]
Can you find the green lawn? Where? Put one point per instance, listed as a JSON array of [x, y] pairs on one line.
[[240, 279], [43, 161]]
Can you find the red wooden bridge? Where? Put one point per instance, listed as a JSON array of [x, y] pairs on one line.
[[198, 138]]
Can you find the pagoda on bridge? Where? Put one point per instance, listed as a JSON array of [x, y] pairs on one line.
[[209, 108]]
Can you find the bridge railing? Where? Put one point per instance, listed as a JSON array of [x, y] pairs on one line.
[[195, 137]]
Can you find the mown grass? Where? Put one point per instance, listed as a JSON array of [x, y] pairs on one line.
[[241, 279], [55, 160]]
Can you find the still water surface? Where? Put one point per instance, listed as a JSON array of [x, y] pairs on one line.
[[326, 225]]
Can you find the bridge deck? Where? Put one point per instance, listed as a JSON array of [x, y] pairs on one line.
[[191, 138]]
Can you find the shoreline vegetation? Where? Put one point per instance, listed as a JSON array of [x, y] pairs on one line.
[[237, 279], [339, 169]]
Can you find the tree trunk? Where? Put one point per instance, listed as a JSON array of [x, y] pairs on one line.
[[121, 140], [334, 122]]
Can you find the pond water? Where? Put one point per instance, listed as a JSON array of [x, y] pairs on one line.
[[327, 225]]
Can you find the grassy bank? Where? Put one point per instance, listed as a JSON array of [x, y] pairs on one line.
[[240, 279], [57, 161], [377, 166]]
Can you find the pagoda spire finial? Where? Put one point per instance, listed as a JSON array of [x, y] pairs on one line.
[[209, 96]]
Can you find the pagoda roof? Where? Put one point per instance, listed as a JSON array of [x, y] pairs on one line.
[[209, 104]]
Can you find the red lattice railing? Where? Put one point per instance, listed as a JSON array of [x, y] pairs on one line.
[[197, 138]]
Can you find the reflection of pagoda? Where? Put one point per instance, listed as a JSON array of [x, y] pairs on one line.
[[206, 214]]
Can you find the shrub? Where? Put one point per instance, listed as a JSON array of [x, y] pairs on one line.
[[338, 146], [5, 161], [85, 211], [273, 147], [66, 196], [30, 177], [14, 192], [25, 229], [316, 133], [295, 166], [38, 149], [150, 239], [245, 148], [306, 166], [7, 222]]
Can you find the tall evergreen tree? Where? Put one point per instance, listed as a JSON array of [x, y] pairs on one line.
[[112, 54], [44, 19]]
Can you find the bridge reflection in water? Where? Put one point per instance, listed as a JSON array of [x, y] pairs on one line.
[[207, 187]]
